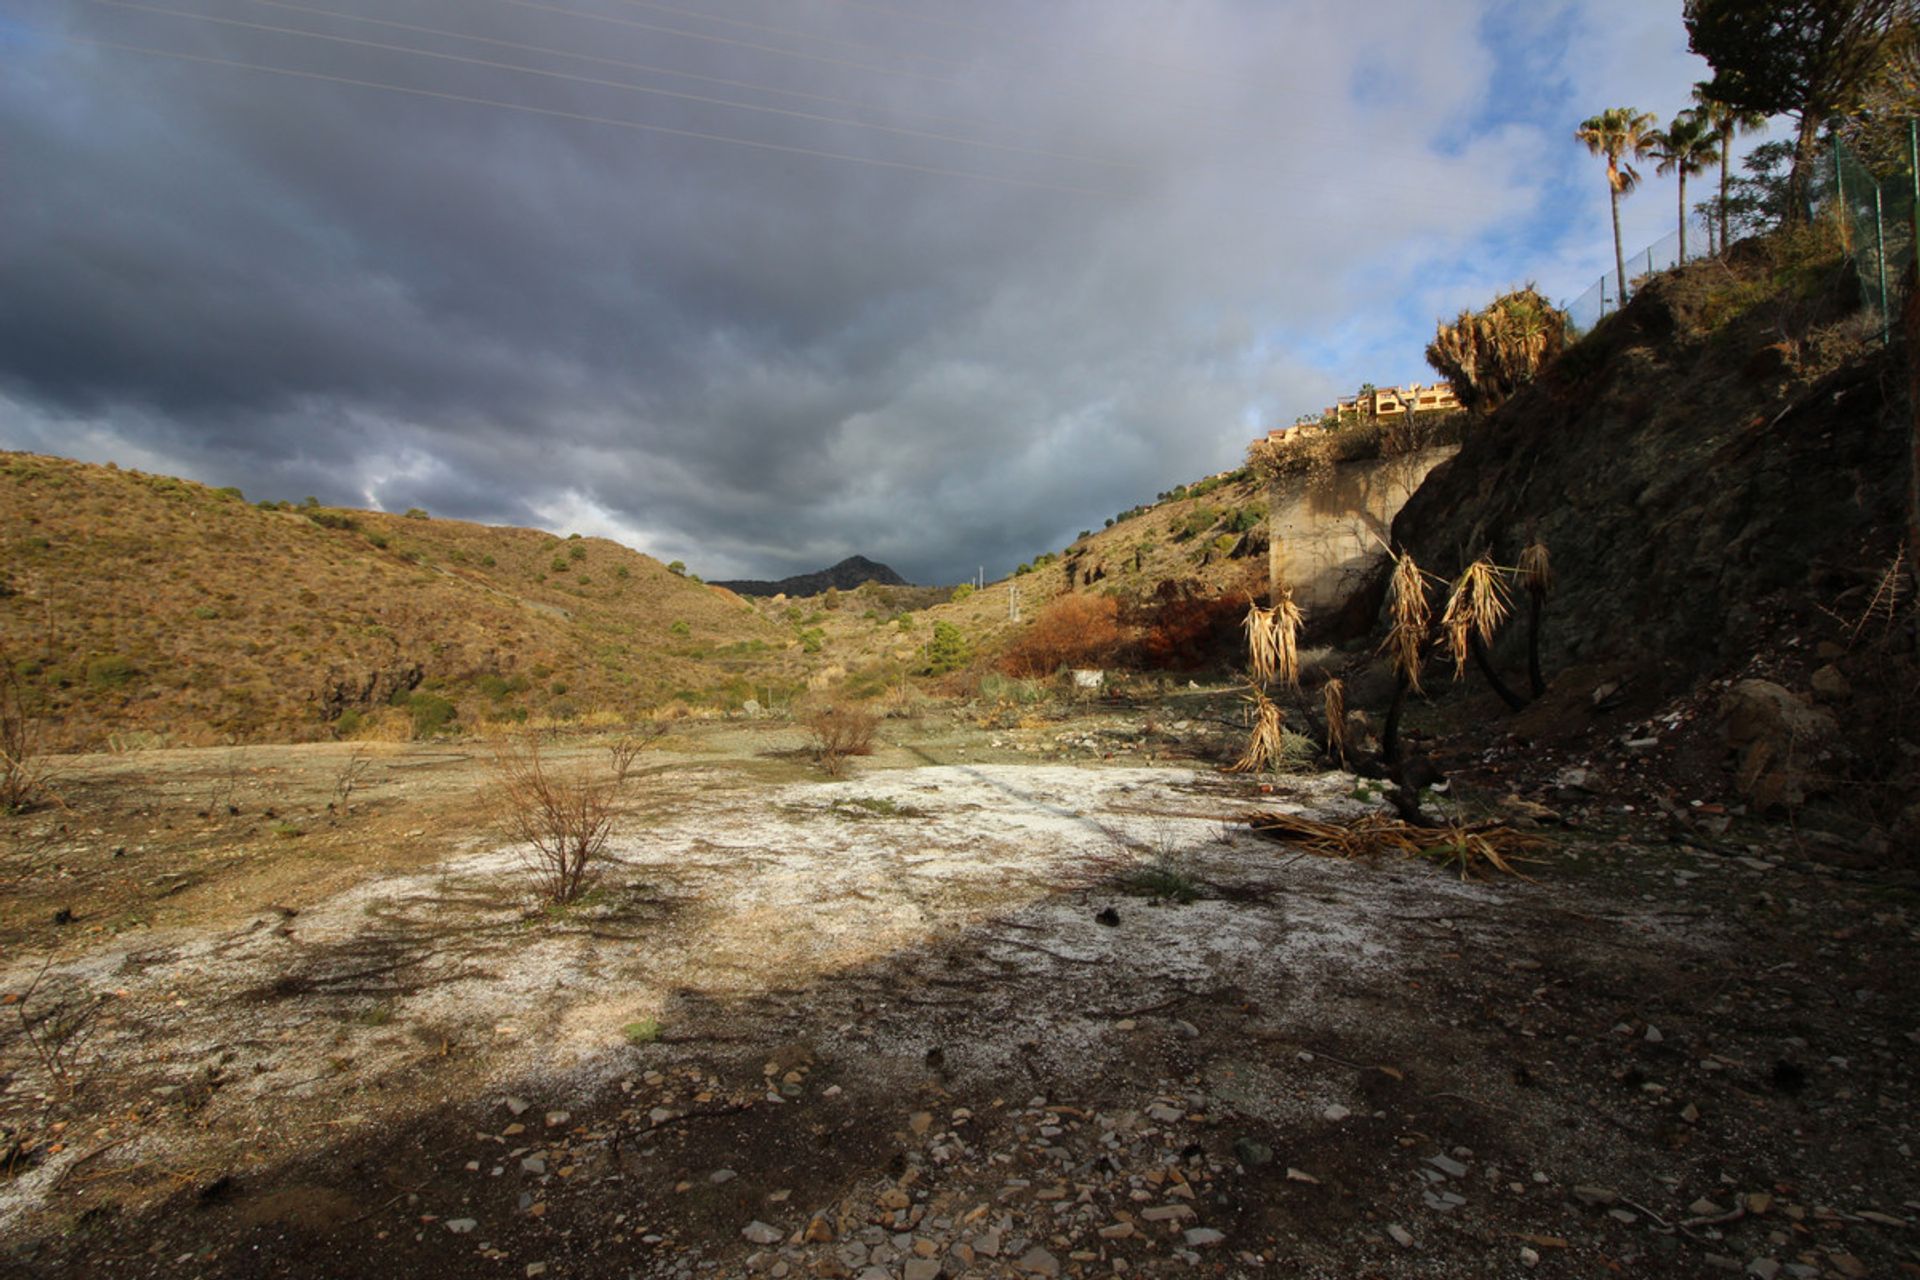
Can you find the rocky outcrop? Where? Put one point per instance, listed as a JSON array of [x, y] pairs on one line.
[[845, 576], [1785, 745]]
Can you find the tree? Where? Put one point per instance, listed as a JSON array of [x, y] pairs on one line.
[[1808, 59], [1725, 121], [1685, 147], [1618, 133]]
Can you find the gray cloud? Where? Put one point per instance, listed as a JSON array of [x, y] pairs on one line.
[[751, 359]]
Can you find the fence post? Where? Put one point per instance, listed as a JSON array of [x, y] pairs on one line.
[[1840, 198], [1880, 255]]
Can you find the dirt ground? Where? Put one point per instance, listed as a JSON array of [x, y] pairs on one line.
[[294, 1012]]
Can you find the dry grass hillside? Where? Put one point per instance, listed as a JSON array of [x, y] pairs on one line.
[[146, 610], [1208, 537]]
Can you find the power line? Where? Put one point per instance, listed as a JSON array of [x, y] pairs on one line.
[[624, 64], [613, 84], [777, 51], [557, 113]]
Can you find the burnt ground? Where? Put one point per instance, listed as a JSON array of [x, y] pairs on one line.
[[889, 1034]]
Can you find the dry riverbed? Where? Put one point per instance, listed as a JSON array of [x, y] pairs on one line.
[[296, 1013]]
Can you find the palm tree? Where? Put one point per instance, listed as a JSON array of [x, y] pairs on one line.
[[1617, 133], [1724, 121], [1686, 146]]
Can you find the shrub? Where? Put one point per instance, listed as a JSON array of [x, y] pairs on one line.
[[904, 622], [1246, 518], [621, 571], [681, 629], [948, 650], [1488, 356], [109, 673], [1078, 631], [431, 714], [329, 519], [377, 538], [812, 640], [416, 513], [679, 567], [231, 491], [840, 731], [348, 724], [1182, 627], [961, 592], [559, 565], [577, 552], [23, 761], [564, 820]]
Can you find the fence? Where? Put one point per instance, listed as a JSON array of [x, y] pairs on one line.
[[1876, 220]]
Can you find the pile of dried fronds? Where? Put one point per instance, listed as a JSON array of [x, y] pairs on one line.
[[1471, 848], [1273, 642], [1267, 742]]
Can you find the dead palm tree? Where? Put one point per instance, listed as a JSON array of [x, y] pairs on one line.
[[1724, 121], [1619, 134], [1687, 146]]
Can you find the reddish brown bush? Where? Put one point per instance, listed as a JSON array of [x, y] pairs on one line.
[[1073, 631], [1182, 628], [840, 731]]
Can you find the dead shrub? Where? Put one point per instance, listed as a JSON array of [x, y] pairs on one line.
[[624, 752], [1183, 628], [1073, 631], [564, 819], [840, 731], [24, 767]]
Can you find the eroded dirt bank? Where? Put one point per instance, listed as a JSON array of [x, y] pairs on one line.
[[910, 1024]]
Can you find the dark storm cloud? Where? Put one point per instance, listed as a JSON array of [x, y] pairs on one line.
[[753, 360]]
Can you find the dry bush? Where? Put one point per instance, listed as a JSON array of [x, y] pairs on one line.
[[1267, 742], [840, 731], [1412, 616], [1183, 628], [624, 752], [565, 819], [1334, 695], [1489, 355], [1273, 642], [1475, 610], [1073, 631], [24, 766]]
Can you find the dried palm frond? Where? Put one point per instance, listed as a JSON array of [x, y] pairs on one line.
[[1336, 705], [1475, 609], [1412, 616], [1884, 607], [1262, 655], [1286, 620], [1268, 739], [1536, 568], [1471, 848]]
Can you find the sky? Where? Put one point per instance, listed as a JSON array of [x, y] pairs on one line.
[[761, 284]]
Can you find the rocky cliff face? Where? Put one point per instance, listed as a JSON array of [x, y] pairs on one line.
[[1699, 479]]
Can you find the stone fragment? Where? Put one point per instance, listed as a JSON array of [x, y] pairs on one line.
[[1037, 1262], [1401, 1236], [1595, 1195], [921, 1269], [758, 1232], [1202, 1237], [460, 1226], [1448, 1165], [1336, 1113]]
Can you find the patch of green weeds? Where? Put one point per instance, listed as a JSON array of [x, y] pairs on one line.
[[643, 1031], [1162, 880]]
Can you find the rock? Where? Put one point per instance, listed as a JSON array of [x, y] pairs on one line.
[[1401, 1236], [1252, 1154], [1705, 1208], [1592, 1195], [987, 1243], [1336, 1113], [1161, 1113], [818, 1231], [1202, 1237], [518, 1106], [922, 1269], [535, 1165], [460, 1226], [1117, 1231], [894, 1198], [1764, 1268], [1448, 1165], [1529, 1256], [556, 1119], [1168, 1213], [1037, 1262], [757, 1232], [919, 1122], [1829, 685], [536, 1269], [1298, 1175], [719, 1176], [1780, 740]]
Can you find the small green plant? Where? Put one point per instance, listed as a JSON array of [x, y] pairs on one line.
[[678, 567], [110, 672], [621, 571], [559, 565], [681, 629], [416, 513], [576, 551], [643, 1031], [1161, 879], [961, 592], [948, 650], [487, 561], [904, 622], [206, 613], [431, 713], [286, 830], [812, 640], [558, 688], [377, 538], [348, 724]]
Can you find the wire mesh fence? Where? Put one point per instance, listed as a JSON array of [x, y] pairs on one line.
[[1875, 216]]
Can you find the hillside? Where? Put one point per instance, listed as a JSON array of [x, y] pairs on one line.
[[146, 609], [845, 576]]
